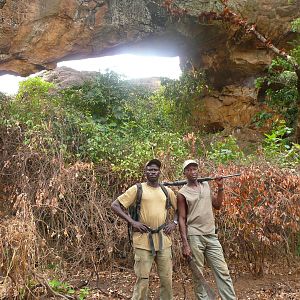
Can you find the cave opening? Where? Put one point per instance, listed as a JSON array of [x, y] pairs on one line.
[[129, 66]]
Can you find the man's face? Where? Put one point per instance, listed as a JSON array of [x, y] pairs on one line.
[[191, 172], [152, 172]]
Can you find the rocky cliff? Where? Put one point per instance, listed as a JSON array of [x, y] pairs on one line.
[[36, 34]]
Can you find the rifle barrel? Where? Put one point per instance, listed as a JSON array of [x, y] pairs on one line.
[[183, 182]]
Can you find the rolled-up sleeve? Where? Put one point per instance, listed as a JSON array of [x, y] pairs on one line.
[[129, 197]]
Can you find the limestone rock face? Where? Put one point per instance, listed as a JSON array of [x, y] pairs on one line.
[[36, 34], [233, 107], [64, 77]]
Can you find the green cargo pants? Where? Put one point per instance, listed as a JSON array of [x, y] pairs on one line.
[[208, 247], [142, 267]]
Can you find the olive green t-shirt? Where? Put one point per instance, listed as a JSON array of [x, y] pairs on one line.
[[153, 213], [200, 217]]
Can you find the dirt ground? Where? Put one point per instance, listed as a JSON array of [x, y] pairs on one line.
[[280, 282]]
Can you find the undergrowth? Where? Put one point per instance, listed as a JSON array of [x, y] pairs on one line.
[[62, 164]]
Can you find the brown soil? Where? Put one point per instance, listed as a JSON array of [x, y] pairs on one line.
[[280, 282]]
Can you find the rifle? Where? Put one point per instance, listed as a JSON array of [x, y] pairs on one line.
[[183, 182]]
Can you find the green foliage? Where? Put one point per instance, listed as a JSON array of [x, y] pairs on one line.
[[146, 131], [282, 91], [76, 130], [52, 266], [33, 101], [281, 82], [37, 112], [279, 64], [261, 117], [76, 124], [48, 125], [278, 148], [275, 141], [131, 152], [180, 97], [259, 82], [225, 151], [188, 86], [61, 287], [34, 88], [295, 25], [83, 293], [104, 97], [65, 288]]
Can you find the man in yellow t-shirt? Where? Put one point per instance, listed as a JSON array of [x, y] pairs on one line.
[[151, 237]]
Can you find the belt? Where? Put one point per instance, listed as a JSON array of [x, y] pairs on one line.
[[150, 237]]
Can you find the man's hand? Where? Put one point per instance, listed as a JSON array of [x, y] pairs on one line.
[[217, 199], [169, 228], [186, 251], [140, 227], [219, 181]]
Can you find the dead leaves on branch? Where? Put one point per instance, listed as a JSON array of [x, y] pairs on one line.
[[62, 212], [261, 214]]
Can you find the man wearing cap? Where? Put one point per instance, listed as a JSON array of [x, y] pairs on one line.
[[151, 237], [197, 229]]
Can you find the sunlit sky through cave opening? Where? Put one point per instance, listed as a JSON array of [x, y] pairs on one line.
[[128, 65]]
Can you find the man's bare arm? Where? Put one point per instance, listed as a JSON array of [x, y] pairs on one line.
[[182, 215], [217, 200], [119, 210]]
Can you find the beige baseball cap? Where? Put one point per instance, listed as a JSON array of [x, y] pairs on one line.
[[189, 162]]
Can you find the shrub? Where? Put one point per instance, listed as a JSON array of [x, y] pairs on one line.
[[225, 151], [277, 147], [260, 217]]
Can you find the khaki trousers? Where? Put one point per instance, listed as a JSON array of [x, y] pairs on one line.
[[142, 267], [208, 247]]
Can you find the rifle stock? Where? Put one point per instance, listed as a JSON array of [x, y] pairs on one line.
[[183, 182]]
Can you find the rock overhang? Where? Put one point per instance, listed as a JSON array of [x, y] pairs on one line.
[[37, 34]]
